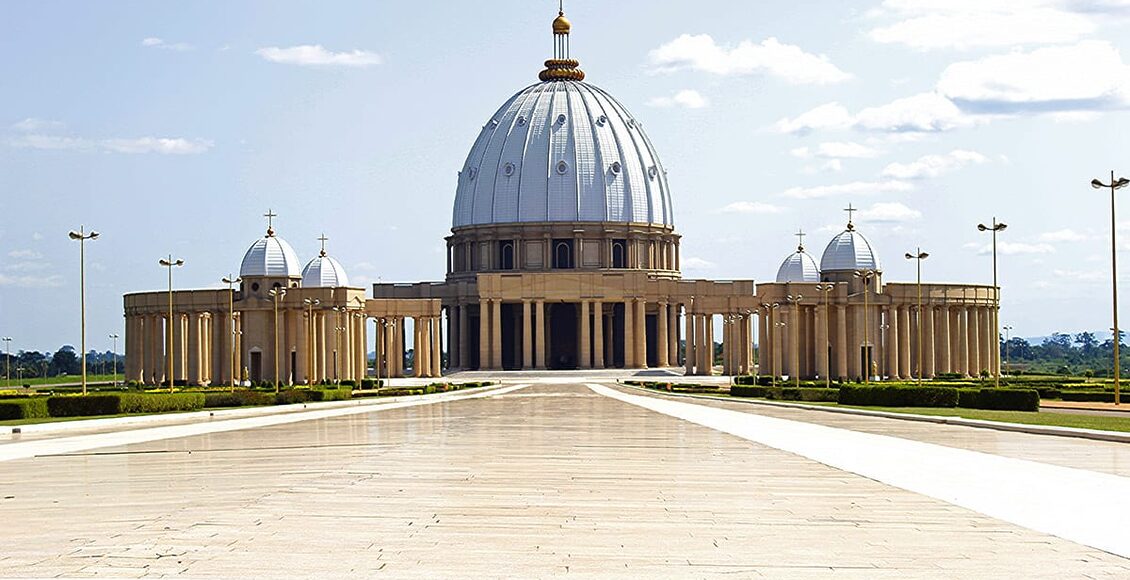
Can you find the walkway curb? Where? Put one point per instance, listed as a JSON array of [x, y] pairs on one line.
[[1094, 434]]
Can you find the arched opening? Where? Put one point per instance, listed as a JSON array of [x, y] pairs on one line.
[[563, 254], [618, 254], [506, 255]]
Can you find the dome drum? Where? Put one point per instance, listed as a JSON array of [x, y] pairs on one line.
[[562, 247]]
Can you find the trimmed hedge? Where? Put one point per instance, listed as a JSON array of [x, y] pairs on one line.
[[999, 399], [884, 396], [745, 380], [808, 394], [88, 406], [241, 398], [24, 408], [138, 403], [749, 391], [1094, 396]]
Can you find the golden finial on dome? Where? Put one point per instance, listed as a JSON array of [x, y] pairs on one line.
[[561, 67], [561, 25]]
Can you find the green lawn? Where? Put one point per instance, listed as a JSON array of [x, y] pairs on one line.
[[18, 422], [1051, 418], [43, 381]]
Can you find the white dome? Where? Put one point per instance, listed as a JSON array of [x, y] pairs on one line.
[[562, 150], [848, 251], [270, 256], [798, 267], [324, 272]]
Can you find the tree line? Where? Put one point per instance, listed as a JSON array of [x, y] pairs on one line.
[[65, 361]]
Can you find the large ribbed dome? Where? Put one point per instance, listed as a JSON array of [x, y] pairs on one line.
[[270, 256], [848, 251], [562, 150], [798, 267], [324, 272]]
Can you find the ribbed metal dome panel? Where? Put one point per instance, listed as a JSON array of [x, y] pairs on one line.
[[324, 272], [798, 267], [848, 251], [562, 151], [270, 256]]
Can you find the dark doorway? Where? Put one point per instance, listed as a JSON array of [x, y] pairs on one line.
[[511, 336], [293, 365], [651, 340], [865, 360], [256, 369], [616, 336], [563, 337], [472, 334]]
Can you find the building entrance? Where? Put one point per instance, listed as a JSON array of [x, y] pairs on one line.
[[563, 336]]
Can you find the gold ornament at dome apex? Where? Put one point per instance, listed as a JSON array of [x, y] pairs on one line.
[[561, 25]]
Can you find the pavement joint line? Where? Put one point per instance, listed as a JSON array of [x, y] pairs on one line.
[[76, 443], [1076, 432], [1005, 488]]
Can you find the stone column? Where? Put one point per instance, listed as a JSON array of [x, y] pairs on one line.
[[764, 346], [928, 358], [496, 334], [841, 350], [777, 368], [192, 374], [464, 338], [661, 336], [416, 348], [527, 337], [963, 342], [709, 343], [942, 322], [388, 346], [540, 338], [585, 350], [484, 334], [673, 335], [821, 343], [892, 341], [641, 333], [904, 343], [437, 351], [689, 345], [976, 363], [855, 341], [598, 334], [302, 366], [629, 335], [990, 350], [701, 344]]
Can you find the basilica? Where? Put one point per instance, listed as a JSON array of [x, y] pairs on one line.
[[563, 254]]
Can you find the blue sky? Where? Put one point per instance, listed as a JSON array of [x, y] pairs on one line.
[[171, 127]]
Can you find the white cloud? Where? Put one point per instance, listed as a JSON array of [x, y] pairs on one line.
[[33, 125], [1076, 276], [753, 207], [965, 24], [31, 281], [701, 53], [317, 55], [154, 42], [1064, 235], [921, 113], [893, 212], [686, 98], [158, 145], [56, 142], [837, 150], [25, 254], [1087, 76], [1012, 248], [826, 116], [694, 263], [852, 188], [933, 165]]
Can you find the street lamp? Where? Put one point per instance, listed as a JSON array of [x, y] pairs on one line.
[[884, 338], [999, 227], [81, 236], [114, 357], [825, 289], [7, 361], [770, 325], [795, 301], [1007, 360], [276, 294], [1114, 185], [231, 322], [380, 326], [170, 263], [919, 255], [310, 349], [866, 275]]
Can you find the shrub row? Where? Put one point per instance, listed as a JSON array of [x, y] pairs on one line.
[[24, 408], [999, 399], [809, 394], [1094, 396], [889, 396], [428, 389], [119, 404], [240, 398]]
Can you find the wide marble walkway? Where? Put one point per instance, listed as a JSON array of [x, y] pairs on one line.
[[538, 481]]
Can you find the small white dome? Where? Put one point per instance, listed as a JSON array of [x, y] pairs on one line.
[[324, 272], [798, 267], [270, 256], [847, 252]]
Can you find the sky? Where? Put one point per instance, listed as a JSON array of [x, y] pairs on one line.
[[171, 127]]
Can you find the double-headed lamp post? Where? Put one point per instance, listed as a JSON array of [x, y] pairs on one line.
[[1007, 338], [277, 294], [866, 275], [7, 361], [825, 289], [795, 331], [996, 227], [380, 324], [170, 263], [1114, 185], [310, 336], [114, 356], [770, 326], [919, 255], [231, 282], [81, 236]]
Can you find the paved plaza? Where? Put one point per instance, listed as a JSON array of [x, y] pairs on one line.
[[556, 478]]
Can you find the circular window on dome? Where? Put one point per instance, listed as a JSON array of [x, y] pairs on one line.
[[521, 121], [652, 172], [472, 172], [561, 119], [508, 169], [562, 167], [615, 167], [601, 120], [254, 286]]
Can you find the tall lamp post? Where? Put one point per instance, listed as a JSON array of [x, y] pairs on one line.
[[310, 348], [7, 361], [1007, 359], [380, 324], [1114, 185], [114, 356], [795, 301], [276, 294], [170, 263], [81, 236], [919, 255], [825, 289], [230, 281], [770, 325], [996, 227], [866, 275]]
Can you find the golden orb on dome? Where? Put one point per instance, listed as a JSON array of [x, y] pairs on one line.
[[561, 25]]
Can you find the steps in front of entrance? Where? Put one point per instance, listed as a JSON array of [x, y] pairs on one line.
[[585, 375]]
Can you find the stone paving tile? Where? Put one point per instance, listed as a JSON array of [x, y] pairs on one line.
[[1102, 456], [549, 480]]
